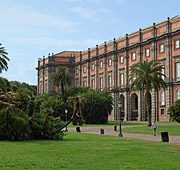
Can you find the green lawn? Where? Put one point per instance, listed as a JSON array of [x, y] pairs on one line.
[[108, 124], [171, 129], [89, 152]]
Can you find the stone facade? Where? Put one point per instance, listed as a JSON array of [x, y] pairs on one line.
[[107, 67]]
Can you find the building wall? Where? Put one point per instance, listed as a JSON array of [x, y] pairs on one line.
[[111, 63]]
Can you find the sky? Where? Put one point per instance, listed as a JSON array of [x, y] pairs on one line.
[[30, 29]]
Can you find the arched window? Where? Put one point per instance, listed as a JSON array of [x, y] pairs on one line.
[[162, 98], [177, 94]]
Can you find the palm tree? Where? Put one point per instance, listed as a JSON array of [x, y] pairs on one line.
[[148, 76], [3, 59], [62, 78]]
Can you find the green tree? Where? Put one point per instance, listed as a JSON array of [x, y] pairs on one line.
[[147, 75], [97, 107], [5, 85], [3, 59], [62, 78], [174, 111]]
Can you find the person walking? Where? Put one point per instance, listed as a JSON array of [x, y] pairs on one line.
[[154, 127]]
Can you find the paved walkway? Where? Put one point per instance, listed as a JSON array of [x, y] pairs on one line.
[[109, 130]]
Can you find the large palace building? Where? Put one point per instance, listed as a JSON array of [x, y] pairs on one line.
[[107, 67]]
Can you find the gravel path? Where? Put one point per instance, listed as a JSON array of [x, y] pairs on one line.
[[109, 130]]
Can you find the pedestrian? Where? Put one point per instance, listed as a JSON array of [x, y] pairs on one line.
[[154, 127]]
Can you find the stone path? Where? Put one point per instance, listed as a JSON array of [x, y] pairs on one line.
[[109, 130]]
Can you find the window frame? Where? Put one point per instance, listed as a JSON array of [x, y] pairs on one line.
[[132, 53], [84, 69], [92, 67], [77, 71], [147, 48], [177, 94], [176, 48], [101, 83], [109, 62], [101, 63], [160, 44], [121, 59], [177, 74], [162, 100]]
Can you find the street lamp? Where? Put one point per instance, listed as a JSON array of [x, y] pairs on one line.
[[66, 111], [119, 106]]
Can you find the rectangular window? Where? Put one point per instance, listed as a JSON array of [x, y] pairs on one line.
[[109, 62], [84, 82], [162, 98], [133, 55], [93, 85], [110, 82], [101, 64], [77, 71], [46, 72], [162, 111], [177, 43], [147, 52], [161, 48], [163, 72], [101, 83], [84, 69], [122, 79], [77, 82], [177, 94], [133, 77], [177, 71], [121, 59], [92, 67], [41, 86], [46, 86], [41, 74]]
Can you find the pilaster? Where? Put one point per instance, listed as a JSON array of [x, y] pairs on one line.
[[96, 65], [105, 66], [80, 70], [88, 65]]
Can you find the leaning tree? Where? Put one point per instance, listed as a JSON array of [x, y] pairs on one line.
[[147, 75], [3, 59]]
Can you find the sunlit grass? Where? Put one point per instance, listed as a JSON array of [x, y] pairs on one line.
[[91, 152]]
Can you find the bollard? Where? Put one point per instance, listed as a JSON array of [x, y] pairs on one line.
[[164, 137], [115, 128], [102, 131], [78, 129]]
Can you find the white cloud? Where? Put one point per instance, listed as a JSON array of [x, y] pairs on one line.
[[88, 13], [43, 43], [18, 16]]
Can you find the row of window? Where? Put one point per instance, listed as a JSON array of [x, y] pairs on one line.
[[41, 73], [177, 72], [46, 86], [133, 55]]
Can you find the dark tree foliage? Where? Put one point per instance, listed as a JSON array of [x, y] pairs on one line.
[[16, 85], [22, 119], [97, 107], [174, 111]]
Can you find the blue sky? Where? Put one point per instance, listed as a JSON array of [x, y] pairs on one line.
[[30, 29]]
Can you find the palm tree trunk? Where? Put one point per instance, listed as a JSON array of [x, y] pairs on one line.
[[62, 88]]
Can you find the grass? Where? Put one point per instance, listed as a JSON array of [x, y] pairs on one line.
[[108, 124], [91, 152], [171, 129]]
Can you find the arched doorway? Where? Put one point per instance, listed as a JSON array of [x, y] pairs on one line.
[[147, 106], [134, 106], [122, 109]]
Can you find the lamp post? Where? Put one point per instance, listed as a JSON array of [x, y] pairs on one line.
[[66, 111], [119, 106]]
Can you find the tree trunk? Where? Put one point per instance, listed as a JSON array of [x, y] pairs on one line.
[[149, 116], [62, 89]]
